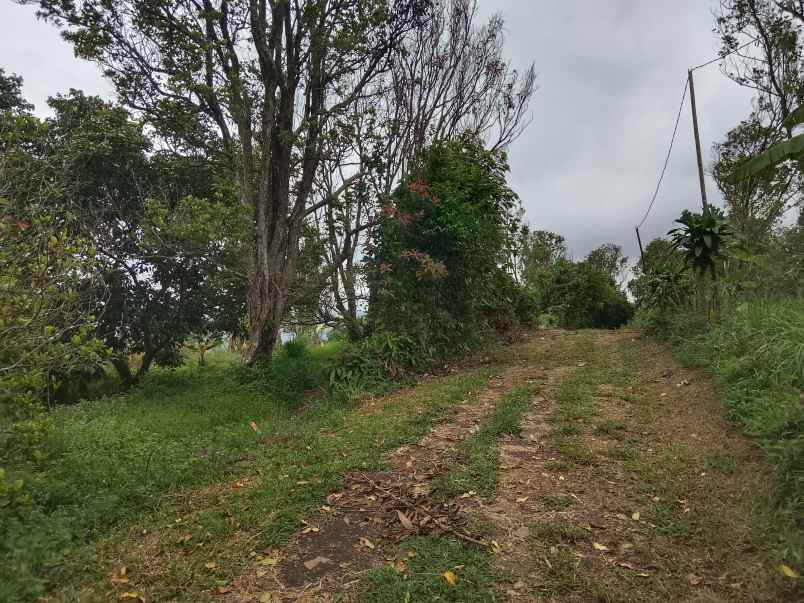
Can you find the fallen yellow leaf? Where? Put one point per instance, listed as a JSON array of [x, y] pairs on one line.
[[599, 547], [788, 571], [450, 578], [495, 546], [522, 499], [267, 598], [270, 561], [130, 595], [635, 516], [210, 565]]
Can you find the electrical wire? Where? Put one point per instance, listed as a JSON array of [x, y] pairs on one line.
[[667, 157], [678, 118], [720, 57]]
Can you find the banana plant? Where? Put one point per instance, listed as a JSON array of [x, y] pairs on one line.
[[790, 149], [703, 239]]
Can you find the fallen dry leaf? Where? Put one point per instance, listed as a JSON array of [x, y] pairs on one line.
[[185, 538], [210, 565], [788, 571], [267, 597], [222, 590], [130, 595], [314, 563], [120, 577], [366, 543], [405, 520], [253, 426], [450, 578], [599, 547], [635, 515], [522, 499], [495, 546], [270, 561], [694, 580]]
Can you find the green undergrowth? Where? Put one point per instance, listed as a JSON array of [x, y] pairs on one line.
[[421, 577], [476, 461], [125, 460], [757, 354]]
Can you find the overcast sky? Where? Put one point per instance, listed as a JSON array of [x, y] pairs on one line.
[[611, 73]]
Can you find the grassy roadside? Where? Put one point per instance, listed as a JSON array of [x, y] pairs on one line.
[[757, 355], [220, 459]]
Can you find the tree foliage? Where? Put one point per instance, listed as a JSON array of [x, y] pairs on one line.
[[439, 256], [255, 84]]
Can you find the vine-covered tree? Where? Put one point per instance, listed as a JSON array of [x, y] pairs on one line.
[[439, 256]]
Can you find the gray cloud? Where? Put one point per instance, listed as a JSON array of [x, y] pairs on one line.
[[610, 75]]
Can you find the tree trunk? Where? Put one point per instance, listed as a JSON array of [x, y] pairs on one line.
[[265, 310], [124, 371]]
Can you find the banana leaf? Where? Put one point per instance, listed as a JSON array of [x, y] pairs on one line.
[[792, 148], [795, 118]]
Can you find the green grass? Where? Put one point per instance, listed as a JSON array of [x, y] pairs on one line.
[[557, 532], [575, 405], [422, 578], [122, 460], [556, 502], [757, 353], [476, 461], [610, 428]]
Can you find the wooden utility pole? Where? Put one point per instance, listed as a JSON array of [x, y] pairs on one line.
[[641, 251], [697, 141]]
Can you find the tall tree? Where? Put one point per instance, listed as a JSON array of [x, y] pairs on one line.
[[609, 259], [755, 204], [771, 66], [256, 82]]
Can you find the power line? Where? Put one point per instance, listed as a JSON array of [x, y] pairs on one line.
[[667, 157], [678, 118], [720, 57]]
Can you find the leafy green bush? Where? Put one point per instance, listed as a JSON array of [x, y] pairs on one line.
[[439, 257], [293, 370], [581, 296], [371, 363]]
